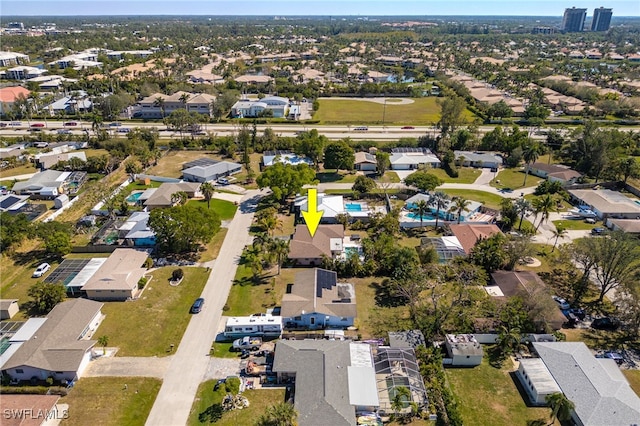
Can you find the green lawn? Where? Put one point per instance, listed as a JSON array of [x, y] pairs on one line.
[[575, 224], [206, 399], [247, 297], [225, 209], [422, 112], [139, 186], [465, 175], [147, 326], [16, 171], [336, 176], [487, 198], [213, 248], [488, 396], [92, 152], [514, 178], [105, 401], [223, 350], [633, 376]]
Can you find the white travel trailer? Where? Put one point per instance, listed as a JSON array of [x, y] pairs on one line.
[[255, 325]]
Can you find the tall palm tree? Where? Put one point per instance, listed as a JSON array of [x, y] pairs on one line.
[[159, 102], [103, 341], [458, 206], [523, 207], [422, 208], [439, 200], [559, 232], [280, 249], [543, 206], [530, 154], [401, 399], [207, 190], [270, 224], [561, 407], [184, 98]]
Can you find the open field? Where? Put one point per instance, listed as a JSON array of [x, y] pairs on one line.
[[147, 326], [16, 171], [489, 396], [206, 402], [465, 175], [336, 176], [487, 198], [170, 165], [105, 401], [422, 112], [247, 297], [93, 152], [514, 178]]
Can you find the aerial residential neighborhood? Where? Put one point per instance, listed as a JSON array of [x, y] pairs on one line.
[[323, 217]]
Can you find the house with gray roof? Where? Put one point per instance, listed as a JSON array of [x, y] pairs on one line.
[[365, 162], [600, 392], [162, 196], [117, 278], [208, 169], [316, 301], [606, 203], [555, 172], [47, 184], [136, 231], [477, 159], [59, 347]]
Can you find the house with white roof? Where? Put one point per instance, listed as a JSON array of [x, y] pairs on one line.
[[334, 205], [23, 72], [136, 231], [606, 203], [13, 58], [412, 158], [254, 108], [47, 184], [269, 158], [472, 209], [160, 105], [477, 159]]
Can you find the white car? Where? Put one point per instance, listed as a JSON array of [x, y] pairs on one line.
[[562, 304], [41, 270]]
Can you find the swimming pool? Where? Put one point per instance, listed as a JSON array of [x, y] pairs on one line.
[[353, 207], [416, 216], [351, 251], [134, 197]]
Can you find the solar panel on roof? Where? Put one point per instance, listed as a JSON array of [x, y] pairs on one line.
[[67, 270], [200, 162], [8, 202], [324, 280]]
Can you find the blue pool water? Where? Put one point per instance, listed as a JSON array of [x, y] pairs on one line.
[[353, 207], [351, 251], [416, 216], [134, 197]]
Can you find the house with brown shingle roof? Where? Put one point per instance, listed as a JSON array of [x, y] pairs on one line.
[[58, 348], [161, 197], [117, 278], [468, 235], [554, 172], [309, 251], [316, 301]]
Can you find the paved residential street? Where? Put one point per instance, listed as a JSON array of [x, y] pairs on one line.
[[189, 365]]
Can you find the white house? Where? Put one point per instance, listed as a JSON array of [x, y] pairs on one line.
[[536, 380], [606, 203], [463, 350], [8, 308], [118, 277], [317, 301], [412, 158], [334, 205], [478, 159], [269, 158], [58, 346], [249, 108], [160, 105], [366, 162]]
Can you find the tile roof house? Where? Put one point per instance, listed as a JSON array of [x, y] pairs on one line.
[[58, 348], [468, 235], [600, 392], [307, 250], [9, 95], [554, 172], [161, 197], [117, 278], [316, 301]]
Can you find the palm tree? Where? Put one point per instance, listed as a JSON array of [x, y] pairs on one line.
[[439, 200], [459, 205], [184, 98], [508, 339], [400, 399], [207, 190], [103, 341], [282, 414], [523, 207], [179, 198], [544, 206], [530, 154], [96, 122], [561, 407], [270, 223], [559, 232], [422, 208], [159, 102], [280, 249]]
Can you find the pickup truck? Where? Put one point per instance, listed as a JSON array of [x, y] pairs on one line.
[[248, 342]]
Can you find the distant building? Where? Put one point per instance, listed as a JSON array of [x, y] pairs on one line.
[[601, 19], [573, 20], [543, 30]]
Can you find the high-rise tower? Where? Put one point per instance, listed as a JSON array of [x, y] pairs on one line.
[[601, 19], [573, 20]]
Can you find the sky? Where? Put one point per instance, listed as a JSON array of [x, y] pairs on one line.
[[309, 7]]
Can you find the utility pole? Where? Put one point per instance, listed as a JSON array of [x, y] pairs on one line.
[[384, 111]]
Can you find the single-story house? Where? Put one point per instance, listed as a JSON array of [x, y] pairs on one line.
[[117, 278], [309, 251], [12, 203], [412, 158], [536, 380], [136, 232], [14, 150], [472, 208], [555, 172], [70, 105], [463, 350], [50, 183], [8, 308], [630, 226], [162, 195], [525, 284], [477, 159], [32, 410], [366, 162], [208, 169], [334, 205], [600, 392], [269, 158], [469, 234], [59, 346], [606, 203], [317, 301], [46, 161]]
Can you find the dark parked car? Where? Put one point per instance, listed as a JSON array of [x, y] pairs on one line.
[[605, 323], [197, 305], [598, 231]]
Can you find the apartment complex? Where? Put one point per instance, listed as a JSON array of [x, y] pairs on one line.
[[601, 19], [573, 20]]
